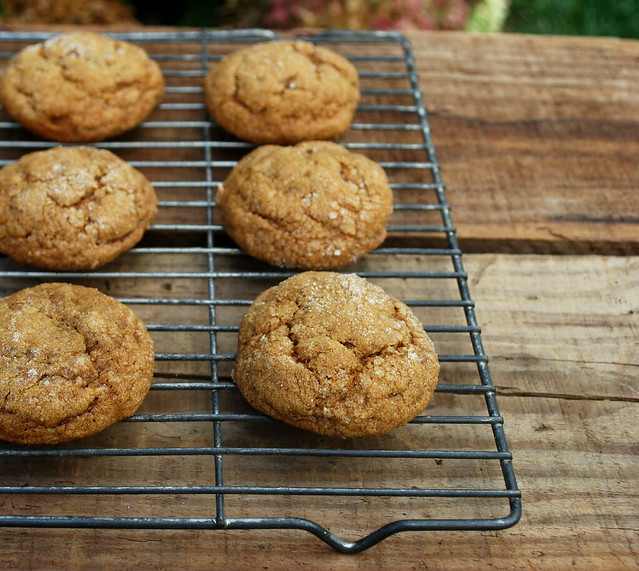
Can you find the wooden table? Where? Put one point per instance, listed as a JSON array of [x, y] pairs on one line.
[[538, 139]]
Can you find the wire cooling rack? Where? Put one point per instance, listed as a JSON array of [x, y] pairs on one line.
[[196, 456]]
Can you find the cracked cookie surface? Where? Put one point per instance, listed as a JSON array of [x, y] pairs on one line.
[[80, 87], [335, 354], [315, 205], [73, 361], [72, 208], [283, 92]]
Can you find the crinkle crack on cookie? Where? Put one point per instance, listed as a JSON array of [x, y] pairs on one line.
[[73, 361], [315, 205], [81, 87], [335, 354], [72, 208], [283, 92]]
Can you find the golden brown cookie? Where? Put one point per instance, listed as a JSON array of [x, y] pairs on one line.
[[80, 87], [283, 92], [334, 354], [315, 205], [72, 208], [73, 361]]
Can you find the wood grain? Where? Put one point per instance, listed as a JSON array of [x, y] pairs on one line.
[[539, 135], [580, 315]]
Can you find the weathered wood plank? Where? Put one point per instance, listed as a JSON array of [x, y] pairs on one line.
[[561, 326], [537, 138]]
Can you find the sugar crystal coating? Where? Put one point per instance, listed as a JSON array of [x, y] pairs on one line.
[[283, 92], [73, 361], [335, 354], [80, 87], [315, 205], [72, 208]]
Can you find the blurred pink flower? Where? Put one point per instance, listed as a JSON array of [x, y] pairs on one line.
[[362, 14], [456, 16], [280, 15]]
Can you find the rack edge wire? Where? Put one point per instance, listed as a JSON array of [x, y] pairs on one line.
[[511, 492], [507, 469]]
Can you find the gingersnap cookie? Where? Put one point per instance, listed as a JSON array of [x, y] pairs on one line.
[[73, 361], [80, 87], [72, 208], [283, 92], [336, 355], [315, 205]]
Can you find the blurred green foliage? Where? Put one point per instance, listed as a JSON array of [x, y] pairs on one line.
[[618, 18]]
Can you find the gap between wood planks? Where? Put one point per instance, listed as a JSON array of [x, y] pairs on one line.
[[514, 392]]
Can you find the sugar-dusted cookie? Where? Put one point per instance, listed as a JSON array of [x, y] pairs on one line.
[[283, 92], [315, 205], [80, 87], [73, 361], [334, 354], [72, 208]]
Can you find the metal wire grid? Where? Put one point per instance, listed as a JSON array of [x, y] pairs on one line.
[[196, 456]]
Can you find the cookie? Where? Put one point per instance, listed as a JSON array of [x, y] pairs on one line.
[[72, 208], [334, 354], [73, 361], [315, 205], [80, 87], [283, 92]]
